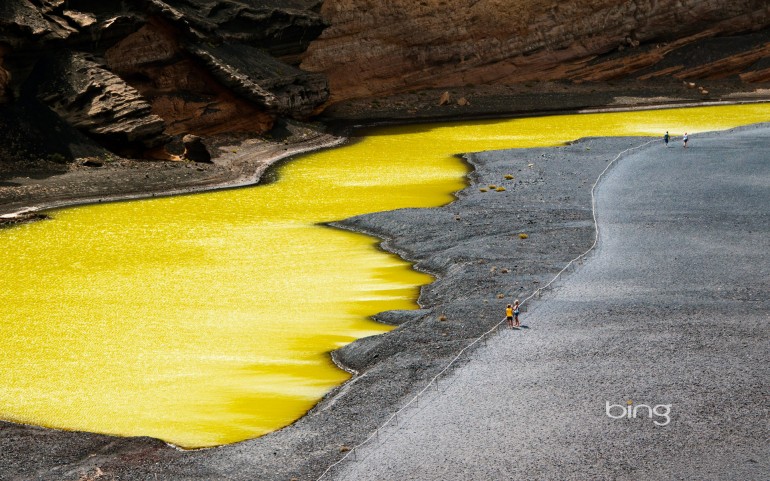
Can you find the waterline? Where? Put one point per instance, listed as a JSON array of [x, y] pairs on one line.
[[207, 319]]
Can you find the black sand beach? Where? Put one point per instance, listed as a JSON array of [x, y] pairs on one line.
[[670, 312], [474, 249]]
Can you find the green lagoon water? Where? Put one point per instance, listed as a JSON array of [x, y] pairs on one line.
[[208, 319]]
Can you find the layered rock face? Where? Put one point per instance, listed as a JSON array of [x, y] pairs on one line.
[[96, 101], [375, 47], [179, 87], [131, 74]]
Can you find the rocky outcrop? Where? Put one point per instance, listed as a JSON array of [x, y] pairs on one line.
[[374, 48], [207, 67], [195, 149], [274, 85], [131, 74], [24, 33], [181, 88], [96, 101], [283, 28], [22, 20]]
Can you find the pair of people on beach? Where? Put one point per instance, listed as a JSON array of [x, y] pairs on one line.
[[512, 314], [667, 137]]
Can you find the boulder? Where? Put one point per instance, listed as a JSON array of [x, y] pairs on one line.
[[195, 149]]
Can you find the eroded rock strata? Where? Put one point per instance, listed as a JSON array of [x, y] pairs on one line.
[[375, 48], [160, 69], [91, 98], [129, 75]]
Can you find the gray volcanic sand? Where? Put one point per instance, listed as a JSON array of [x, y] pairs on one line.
[[672, 309], [639, 326]]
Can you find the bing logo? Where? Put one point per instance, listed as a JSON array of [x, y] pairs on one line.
[[631, 411]]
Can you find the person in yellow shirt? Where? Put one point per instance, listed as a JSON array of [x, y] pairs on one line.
[[509, 315]]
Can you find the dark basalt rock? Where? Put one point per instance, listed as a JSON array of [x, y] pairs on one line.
[[52, 51], [281, 27], [32, 131], [21, 20], [25, 32], [96, 101], [195, 149], [254, 74]]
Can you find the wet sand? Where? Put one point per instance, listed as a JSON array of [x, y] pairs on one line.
[[474, 249]]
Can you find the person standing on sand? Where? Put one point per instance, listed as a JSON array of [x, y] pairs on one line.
[[684, 140], [665, 138], [516, 313], [509, 315]]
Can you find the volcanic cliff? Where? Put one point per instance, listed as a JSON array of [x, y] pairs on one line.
[[81, 76], [132, 74], [376, 48]]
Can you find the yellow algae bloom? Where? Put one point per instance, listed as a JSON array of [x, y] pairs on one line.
[[208, 319]]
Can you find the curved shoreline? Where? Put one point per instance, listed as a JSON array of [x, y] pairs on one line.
[[380, 355], [250, 173], [538, 292], [501, 115], [555, 367], [252, 162]]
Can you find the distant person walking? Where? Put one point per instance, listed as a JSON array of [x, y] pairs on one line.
[[684, 140], [665, 138], [509, 315], [516, 313]]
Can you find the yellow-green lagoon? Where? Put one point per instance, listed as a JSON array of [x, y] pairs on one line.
[[208, 319]]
